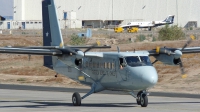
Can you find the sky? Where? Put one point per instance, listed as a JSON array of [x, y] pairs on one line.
[[6, 7]]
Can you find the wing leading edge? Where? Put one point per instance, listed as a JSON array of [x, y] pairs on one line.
[[47, 50], [185, 51]]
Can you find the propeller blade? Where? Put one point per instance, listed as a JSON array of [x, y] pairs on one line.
[[188, 42], [88, 49], [154, 61], [98, 43], [182, 69]]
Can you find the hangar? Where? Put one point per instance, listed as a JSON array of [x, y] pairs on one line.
[[106, 13]]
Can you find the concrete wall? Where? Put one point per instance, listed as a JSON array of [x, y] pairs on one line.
[[144, 10]]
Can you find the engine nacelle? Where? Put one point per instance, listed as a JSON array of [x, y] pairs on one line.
[[168, 59], [71, 60]]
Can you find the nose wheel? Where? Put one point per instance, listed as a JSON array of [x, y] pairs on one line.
[[142, 99]]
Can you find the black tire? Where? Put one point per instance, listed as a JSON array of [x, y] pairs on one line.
[[149, 28], [138, 100], [144, 100], [139, 97], [76, 99]]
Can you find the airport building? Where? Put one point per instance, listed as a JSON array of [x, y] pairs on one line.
[[104, 13]]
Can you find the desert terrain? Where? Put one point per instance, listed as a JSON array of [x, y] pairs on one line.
[[18, 69]]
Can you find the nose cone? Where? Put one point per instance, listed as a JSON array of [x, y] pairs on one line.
[[149, 77]]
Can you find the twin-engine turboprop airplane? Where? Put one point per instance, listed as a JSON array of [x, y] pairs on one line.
[[150, 24], [131, 72]]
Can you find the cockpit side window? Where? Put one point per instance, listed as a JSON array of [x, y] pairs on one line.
[[146, 60], [121, 62]]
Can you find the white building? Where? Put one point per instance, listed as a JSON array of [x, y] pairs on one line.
[[101, 13]]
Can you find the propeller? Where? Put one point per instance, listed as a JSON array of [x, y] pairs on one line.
[[177, 54], [188, 42], [181, 64], [91, 47]]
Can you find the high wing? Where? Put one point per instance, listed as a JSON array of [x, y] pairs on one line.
[[188, 50], [50, 52], [47, 50]]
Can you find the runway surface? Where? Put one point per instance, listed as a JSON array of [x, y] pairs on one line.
[[49, 101]]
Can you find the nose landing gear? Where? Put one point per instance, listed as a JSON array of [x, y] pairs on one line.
[[141, 98]]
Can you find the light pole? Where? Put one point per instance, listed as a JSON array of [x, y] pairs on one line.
[[177, 11]]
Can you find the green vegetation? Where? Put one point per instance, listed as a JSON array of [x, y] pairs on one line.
[[75, 40], [154, 39], [141, 38], [170, 33], [21, 79]]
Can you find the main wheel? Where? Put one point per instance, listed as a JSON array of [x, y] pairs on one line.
[[76, 99], [144, 100]]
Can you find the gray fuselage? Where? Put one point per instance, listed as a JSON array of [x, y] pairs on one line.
[[113, 70]]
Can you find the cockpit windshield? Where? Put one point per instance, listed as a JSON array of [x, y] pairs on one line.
[[134, 61]]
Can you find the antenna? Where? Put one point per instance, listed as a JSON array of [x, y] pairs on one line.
[[118, 49]]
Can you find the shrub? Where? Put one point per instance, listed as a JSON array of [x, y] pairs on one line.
[[154, 39], [141, 38], [170, 33], [76, 40]]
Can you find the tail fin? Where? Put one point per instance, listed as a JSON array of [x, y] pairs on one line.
[[51, 30], [169, 19]]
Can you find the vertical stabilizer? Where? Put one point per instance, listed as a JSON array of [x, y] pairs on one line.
[[169, 19], [51, 30]]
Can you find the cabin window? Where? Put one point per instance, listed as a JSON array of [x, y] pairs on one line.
[[101, 65], [105, 65], [86, 64], [90, 64], [113, 65], [109, 67], [94, 66], [97, 65]]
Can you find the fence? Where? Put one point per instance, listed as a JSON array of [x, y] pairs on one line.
[[96, 33]]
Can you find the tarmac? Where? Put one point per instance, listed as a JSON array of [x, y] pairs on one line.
[[33, 100]]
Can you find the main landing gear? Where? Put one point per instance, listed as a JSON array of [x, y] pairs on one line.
[[141, 98], [76, 98]]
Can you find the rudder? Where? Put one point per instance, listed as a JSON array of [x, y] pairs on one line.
[[51, 30]]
